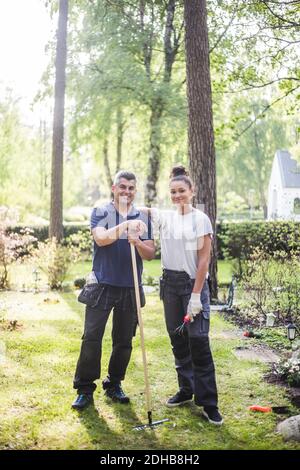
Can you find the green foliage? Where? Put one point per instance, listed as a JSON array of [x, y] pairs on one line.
[[79, 282], [150, 280], [13, 246], [244, 166], [107, 72], [55, 260], [239, 240], [42, 232], [270, 283], [82, 240], [289, 370], [275, 337], [231, 204]]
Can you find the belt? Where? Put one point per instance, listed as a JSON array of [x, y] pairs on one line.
[[172, 274]]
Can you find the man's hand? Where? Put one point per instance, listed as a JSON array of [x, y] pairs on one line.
[[194, 306], [136, 228]]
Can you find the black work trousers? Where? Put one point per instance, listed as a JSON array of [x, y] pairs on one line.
[[193, 359], [122, 301]]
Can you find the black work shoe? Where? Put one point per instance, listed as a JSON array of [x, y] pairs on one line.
[[212, 414], [116, 393], [82, 401], [180, 398]]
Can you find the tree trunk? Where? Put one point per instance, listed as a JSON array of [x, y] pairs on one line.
[[56, 210], [200, 131], [155, 153], [106, 164], [120, 134]]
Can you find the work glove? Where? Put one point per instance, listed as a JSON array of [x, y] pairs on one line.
[[194, 306]]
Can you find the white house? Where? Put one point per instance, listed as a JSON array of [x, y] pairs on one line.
[[284, 188]]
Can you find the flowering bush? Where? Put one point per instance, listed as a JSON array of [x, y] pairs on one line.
[[55, 259], [82, 240], [13, 246], [289, 370]]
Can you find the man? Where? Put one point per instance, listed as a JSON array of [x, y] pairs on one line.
[[113, 227]]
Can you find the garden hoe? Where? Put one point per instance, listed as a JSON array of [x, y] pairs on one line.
[[151, 424]]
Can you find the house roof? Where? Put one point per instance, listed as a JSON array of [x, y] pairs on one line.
[[289, 169]]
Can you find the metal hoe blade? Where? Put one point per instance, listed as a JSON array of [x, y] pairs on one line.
[[151, 424]]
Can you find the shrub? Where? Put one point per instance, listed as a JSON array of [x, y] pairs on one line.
[[13, 246], [80, 282], [239, 241], [150, 280], [81, 240], [41, 232], [289, 370], [272, 284], [55, 259]]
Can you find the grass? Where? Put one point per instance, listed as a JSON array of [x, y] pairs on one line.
[[225, 271], [36, 386], [153, 269]]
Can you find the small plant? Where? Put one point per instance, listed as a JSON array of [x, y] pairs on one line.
[[289, 370], [13, 246], [150, 280], [82, 241], [80, 282], [55, 259]]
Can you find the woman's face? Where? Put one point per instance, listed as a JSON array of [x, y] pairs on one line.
[[181, 193]]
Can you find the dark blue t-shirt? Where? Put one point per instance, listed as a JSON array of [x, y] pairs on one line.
[[112, 263]]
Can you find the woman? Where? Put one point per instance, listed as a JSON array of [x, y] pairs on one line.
[[186, 235]]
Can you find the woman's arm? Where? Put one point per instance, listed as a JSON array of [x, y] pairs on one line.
[[145, 248]]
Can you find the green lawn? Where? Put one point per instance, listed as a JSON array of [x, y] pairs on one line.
[[153, 268], [36, 386]]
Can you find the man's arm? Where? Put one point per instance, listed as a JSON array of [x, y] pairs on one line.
[[104, 237]]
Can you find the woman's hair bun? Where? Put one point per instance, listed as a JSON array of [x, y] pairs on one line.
[[178, 170]]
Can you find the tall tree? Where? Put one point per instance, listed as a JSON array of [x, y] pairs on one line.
[[134, 47], [56, 209], [200, 122]]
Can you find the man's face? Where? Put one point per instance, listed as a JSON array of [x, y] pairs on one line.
[[124, 191]]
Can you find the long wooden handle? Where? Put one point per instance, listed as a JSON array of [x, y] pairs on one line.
[[139, 313]]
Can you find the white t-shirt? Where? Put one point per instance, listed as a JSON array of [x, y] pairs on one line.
[[179, 236]]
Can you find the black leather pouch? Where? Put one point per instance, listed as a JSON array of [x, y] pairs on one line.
[[91, 294]]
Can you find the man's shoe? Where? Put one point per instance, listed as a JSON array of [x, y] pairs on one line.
[[82, 401], [180, 398], [212, 414], [116, 393]]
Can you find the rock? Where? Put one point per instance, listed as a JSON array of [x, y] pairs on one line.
[[290, 428]]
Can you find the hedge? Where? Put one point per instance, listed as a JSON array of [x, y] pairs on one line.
[[41, 232], [238, 240], [234, 240]]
